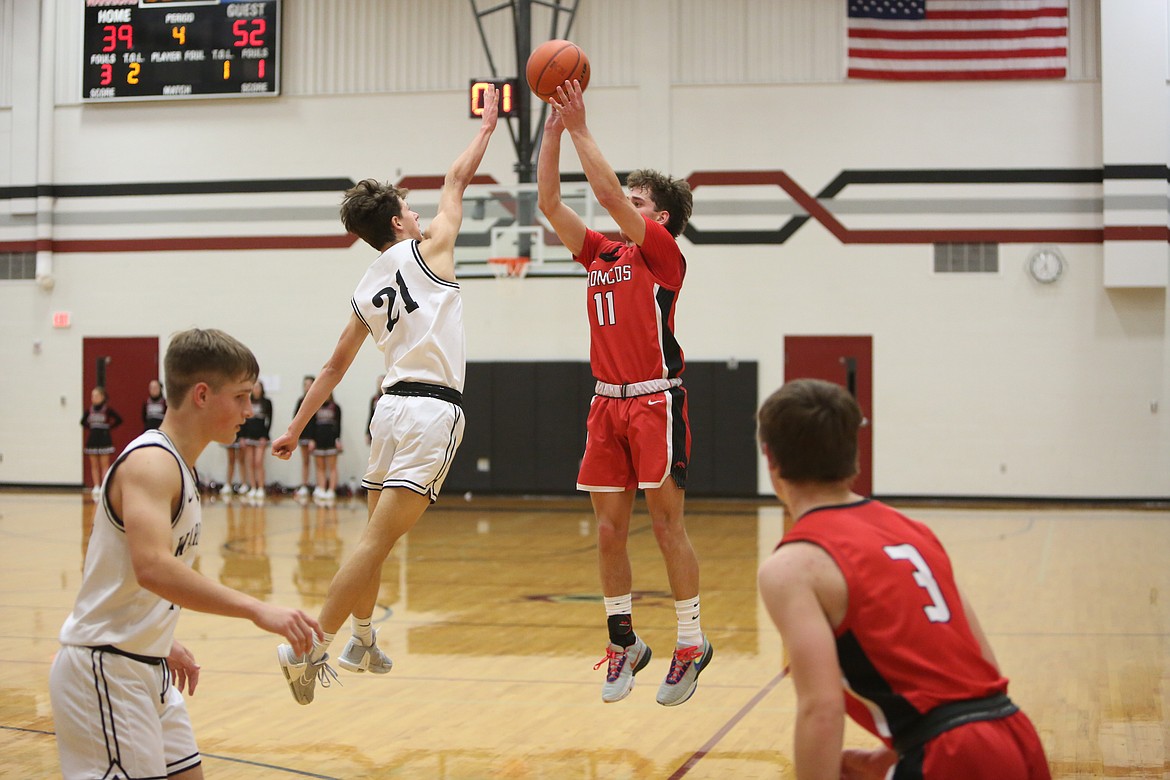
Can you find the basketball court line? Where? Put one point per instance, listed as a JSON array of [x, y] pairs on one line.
[[284, 769], [699, 754]]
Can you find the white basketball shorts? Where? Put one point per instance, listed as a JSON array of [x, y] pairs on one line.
[[414, 439], [118, 717]]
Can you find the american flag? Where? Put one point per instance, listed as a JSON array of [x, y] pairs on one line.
[[943, 40]]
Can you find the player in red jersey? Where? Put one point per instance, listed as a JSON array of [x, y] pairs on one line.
[[861, 593], [639, 436]]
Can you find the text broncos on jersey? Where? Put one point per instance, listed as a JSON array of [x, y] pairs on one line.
[[619, 273]]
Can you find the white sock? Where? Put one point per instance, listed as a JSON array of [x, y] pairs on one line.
[[619, 605], [689, 630], [320, 647], [363, 629]]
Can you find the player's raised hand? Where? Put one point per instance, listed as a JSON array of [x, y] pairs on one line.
[[491, 107], [553, 123], [569, 102]]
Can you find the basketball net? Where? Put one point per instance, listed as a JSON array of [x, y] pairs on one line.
[[509, 267]]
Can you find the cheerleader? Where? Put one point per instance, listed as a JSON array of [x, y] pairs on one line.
[[327, 443], [254, 438], [99, 445], [305, 443], [155, 407]]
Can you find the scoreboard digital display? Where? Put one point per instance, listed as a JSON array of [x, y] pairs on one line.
[[507, 103], [175, 49]]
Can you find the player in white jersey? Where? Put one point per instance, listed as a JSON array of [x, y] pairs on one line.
[[116, 685], [408, 302]]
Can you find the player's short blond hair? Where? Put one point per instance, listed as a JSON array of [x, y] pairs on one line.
[[205, 355]]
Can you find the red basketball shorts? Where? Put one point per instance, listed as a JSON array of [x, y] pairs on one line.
[[636, 442], [1005, 749]]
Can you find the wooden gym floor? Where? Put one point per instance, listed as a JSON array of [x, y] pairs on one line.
[[493, 619]]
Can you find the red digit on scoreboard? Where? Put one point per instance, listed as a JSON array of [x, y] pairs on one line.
[[246, 37], [113, 34]]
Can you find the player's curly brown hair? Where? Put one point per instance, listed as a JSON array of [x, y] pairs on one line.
[[670, 195], [368, 208]]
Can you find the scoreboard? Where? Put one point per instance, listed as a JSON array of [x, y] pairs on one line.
[[176, 49]]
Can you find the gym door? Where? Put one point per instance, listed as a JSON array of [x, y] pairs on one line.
[[847, 361], [125, 367]]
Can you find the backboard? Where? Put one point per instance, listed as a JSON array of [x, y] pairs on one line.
[[502, 220]]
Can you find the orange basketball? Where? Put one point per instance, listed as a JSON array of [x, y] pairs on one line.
[[552, 64]]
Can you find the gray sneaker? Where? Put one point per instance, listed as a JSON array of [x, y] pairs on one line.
[[357, 657], [624, 663], [683, 677], [302, 675]]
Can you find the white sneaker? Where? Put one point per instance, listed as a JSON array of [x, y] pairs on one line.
[[330, 495], [318, 494], [683, 676], [261, 494], [96, 493], [226, 490], [241, 490], [622, 663], [302, 491], [302, 675], [357, 657]]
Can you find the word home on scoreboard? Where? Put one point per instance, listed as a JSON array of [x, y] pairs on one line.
[[176, 49]]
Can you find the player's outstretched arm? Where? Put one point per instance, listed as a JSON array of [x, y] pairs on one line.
[[353, 335], [438, 246], [787, 589], [569, 227], [570, 102], [144, 492]]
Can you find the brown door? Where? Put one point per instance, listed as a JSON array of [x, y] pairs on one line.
[[125, 367], [848, 361]]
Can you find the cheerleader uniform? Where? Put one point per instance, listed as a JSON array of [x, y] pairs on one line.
[[327, 428], [255, 429], [153, 412], [99, 421]]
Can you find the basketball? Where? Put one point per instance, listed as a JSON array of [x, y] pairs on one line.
[[552, 63]]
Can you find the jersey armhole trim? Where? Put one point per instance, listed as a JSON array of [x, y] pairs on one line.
[[426, 269], [353, 302], [117, 521]]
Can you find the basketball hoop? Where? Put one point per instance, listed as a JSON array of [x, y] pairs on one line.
[[509, 267]]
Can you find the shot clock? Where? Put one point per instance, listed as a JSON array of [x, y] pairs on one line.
[[175, 49], [507, 90]]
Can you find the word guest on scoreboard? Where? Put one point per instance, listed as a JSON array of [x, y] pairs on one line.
[[175, 49]]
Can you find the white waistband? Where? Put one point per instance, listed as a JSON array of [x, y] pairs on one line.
[[636, 388]]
